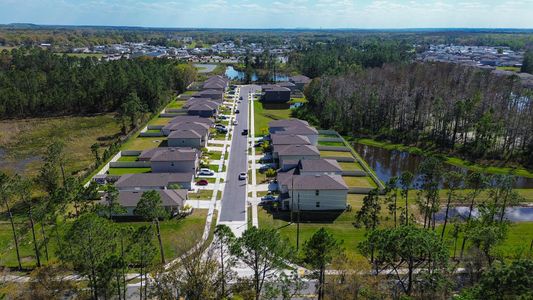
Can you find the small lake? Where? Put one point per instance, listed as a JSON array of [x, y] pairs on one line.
[[513, 214], [390, 163], [233, 74]]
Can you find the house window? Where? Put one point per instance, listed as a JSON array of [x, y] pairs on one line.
[[317, 192], [318, 204]]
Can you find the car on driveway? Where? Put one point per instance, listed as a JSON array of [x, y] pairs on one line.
[[268, 198], [220, 126], [202, 182], [242, 176], [235, 122], [206, 172]]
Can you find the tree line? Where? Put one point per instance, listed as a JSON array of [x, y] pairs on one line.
[[454, 108], [38, 83]]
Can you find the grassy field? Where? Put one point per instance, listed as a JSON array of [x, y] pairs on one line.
[[335, 154], [144, 143], [159, 121], [342, 228], [128, 158], [123, 171], [350, 166], [172, 231], [335, 144], [24, 141], [177, 104], [352, 181], [263, 116]]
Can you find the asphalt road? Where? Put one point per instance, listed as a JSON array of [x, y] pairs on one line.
[[234, 199]]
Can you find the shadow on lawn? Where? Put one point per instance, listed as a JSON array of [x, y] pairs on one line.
[[305, 216]]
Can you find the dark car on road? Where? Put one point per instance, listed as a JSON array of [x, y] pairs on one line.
[[244, 132], [236, 111]]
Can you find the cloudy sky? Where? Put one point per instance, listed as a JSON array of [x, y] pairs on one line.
[[273, 14]]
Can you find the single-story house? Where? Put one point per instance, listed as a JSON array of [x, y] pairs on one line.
[[294, 127], [281, 125], [187, 138], [193, 101], [275, 94], [154, 181], [172, 160], [284, 154], [210, 94], [313, 192], [300, 81], [287, 84], [205, 109], [172, 200], [202, 128], [216, 82], [196, 119], [289, 139]]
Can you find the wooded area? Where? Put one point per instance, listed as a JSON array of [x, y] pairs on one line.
[[431, 105], [37, 83]]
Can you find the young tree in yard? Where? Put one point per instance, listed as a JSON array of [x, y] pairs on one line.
[[319, 251], [112, 205], [91, 241], [418, 251], [150, 208], [94, 149], [265, 252], [6, 192], [391, 198], [453, 181], [224, 239], [270, 173], [406, 181]]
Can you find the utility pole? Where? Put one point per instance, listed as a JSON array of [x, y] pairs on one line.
[[298, 226]]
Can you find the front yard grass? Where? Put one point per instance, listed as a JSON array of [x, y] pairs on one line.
[[201, 194], [159, 121], [263, 116]]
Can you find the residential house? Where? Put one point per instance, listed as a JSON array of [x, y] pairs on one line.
[[172, 200], [300, 81], [187, 138], [154, 181], [287, 155], [205, 109], [293, 127], [210, 94], [275, 94], [172, 160], [216, 82], [287, 84]]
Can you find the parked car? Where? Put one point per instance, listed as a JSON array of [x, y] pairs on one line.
[[221, 117], [242, 176], [240, 98], [268, 198], [236, 111], [244, 132], [235, 122], [206, 172], [202, 182], [222, 130], [220, 126]]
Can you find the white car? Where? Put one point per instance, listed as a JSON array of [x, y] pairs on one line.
[[242, 176], [235, 122], [206, 172]]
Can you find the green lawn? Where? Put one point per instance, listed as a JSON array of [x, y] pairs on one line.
[[201, 194], [334, 144], [512, 69], [298, 100], [350, 166], [352, 181], [128, 158], [213, 155], [177, 104], [172, 231], [25, 140], [159, 121], [518, 240], [124, 171], [263, 116], [144, 143], [335, 154]]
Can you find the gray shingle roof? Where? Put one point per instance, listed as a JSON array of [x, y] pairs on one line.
[[300, 79], [169, 154], [298, 129], [184, 134], [201, 128], [186, 118], [296, 150], [319, 182], [168, 197], [319, 165], [289, 139], [287, 123], [155, 180]]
